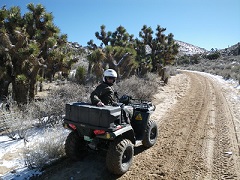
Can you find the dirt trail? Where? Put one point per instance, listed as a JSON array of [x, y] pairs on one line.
[[197, 137]]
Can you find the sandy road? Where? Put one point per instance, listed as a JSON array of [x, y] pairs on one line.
[[197, 138]]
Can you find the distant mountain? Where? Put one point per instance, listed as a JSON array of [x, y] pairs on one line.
[[189, 49], [184, 49], [232, 50]]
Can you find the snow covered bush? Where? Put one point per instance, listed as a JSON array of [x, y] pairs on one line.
[[16, 124], [44, 150]]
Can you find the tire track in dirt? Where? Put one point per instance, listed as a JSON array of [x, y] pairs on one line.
[[208, 143], [226, 155]]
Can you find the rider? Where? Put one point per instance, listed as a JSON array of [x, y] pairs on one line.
[[104, 93]]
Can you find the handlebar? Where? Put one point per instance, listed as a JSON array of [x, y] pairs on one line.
[[140, 104]]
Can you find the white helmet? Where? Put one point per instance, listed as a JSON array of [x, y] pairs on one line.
[[109, 73]]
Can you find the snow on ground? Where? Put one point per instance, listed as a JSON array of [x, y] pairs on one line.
[[12, 162], [13, 166], [9, 146]]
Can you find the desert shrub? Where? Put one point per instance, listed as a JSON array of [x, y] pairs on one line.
[[142, 88], [236, 69], [233, 75], [216, 72], [225, 74], [213, 66], [219, 66], [228, 66], [213, 56], [195, 59], [51, 109], [15, 119], [185, 59], [47, 149], [189, 59], [211, 71], [16, 124], [80, 74]]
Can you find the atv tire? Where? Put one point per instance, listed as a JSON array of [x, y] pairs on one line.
[[75, 146], [150, 134], [120, 156]]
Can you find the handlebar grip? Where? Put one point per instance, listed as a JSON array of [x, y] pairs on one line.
[[152, 107]]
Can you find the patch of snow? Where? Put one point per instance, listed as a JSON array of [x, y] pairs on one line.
[[8, 145], [72, 74], [238, 87]]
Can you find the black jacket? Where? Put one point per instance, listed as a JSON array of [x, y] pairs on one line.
[[104, 93]]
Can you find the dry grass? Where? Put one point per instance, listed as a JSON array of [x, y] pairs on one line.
[[140, 88]]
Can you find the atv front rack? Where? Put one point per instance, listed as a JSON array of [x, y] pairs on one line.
[[143, 106]]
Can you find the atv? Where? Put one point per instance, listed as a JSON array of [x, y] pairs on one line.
[[105, 128]]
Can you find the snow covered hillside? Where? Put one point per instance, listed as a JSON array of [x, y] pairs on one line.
[[189, 49]]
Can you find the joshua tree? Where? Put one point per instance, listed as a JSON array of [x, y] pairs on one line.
[[163, 48], [104, 36], [96, 59], [25, 42]]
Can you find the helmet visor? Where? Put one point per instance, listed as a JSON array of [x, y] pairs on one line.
[[111, 78]]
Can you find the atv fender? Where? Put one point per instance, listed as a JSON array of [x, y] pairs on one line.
[[126, 132]]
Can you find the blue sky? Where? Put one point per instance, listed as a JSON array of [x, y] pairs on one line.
[[204, 23]]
